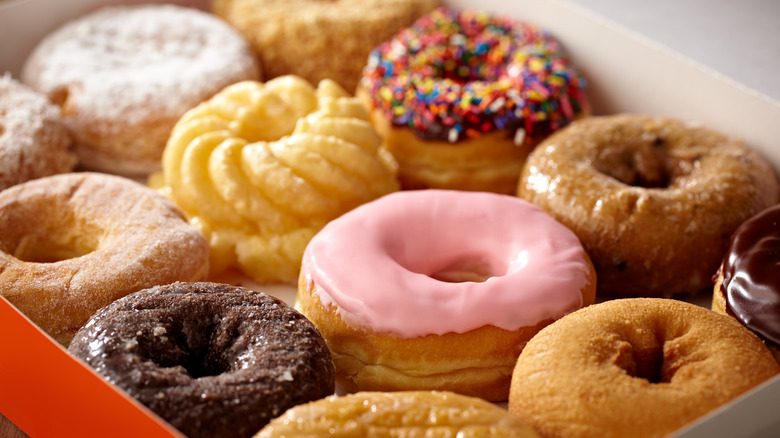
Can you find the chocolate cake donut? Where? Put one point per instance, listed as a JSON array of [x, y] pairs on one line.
[[211, 359]]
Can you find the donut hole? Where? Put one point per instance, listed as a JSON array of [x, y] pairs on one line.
[[644, 164]]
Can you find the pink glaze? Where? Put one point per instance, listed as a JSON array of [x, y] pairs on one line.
[[375, 263]]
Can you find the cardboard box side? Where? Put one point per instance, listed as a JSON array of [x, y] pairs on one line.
[[46, 392]]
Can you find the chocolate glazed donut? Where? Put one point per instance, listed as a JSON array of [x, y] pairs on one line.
[[211, 359]]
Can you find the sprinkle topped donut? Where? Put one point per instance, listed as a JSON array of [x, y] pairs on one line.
[[455, 75]]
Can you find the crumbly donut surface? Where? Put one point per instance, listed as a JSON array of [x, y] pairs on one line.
[[319, 39], [213, 360], [123, 75], [34, 142], [72, 243], [641, 367], [653, 200], [412, 414], [261, 167]]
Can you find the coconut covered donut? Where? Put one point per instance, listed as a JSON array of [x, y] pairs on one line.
[[211, 359], [72, 243], [641, 367], [261, 167], [430, 414], [462, 97], [33, 140], [439, 289], [653, 200], [318, 39], [123, 75], [747, 286]]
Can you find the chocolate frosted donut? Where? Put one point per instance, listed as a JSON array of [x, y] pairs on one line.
[[211, 359]]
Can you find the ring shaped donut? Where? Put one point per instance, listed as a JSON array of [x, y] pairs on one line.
[[72, 243], [439, 289], [639, 367], [653, 200], [211, 359], [462, 97]]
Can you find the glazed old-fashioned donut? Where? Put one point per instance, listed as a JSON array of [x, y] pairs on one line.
[[638, 367], [439, 290], [317, 39], [747, 286], [33, 140], [72, 243], [430, 414], [212, 359], [462, 97], [653, 200], [261, 167], [123, 75]]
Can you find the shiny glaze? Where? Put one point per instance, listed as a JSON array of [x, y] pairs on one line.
[[384, 263], [751, 284]]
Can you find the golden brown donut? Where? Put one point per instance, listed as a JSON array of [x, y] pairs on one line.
[[318, 39], [416, 291], [462, 97], [123, 75], [411, 414], [653, 200], [72, 243], [33, 140], [639, 367], [747, 286]]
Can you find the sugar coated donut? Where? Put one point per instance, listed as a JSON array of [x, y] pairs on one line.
[[33, 140], [653, 200], [747, 286], [211, 359], [317, 39], [261, 167], [462, 97], [123, 75], [72, 243], [439, 289], [430, 414], [638, 367]]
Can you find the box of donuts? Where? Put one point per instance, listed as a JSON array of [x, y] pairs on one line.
[[256, 218]]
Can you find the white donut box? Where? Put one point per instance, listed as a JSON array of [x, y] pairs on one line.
[[47, 393]]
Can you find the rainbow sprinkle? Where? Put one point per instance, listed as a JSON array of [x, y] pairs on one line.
[[455, 75]]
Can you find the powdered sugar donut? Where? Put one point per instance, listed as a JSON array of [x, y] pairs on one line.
[[123, 75], [33, 140]]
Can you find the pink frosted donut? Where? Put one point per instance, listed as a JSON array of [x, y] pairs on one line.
[[438, 289]]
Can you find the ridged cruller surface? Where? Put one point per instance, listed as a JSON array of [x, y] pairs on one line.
[[261, 167]]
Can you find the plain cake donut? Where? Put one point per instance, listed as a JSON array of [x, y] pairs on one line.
[[639, 367], [462, 97], [33, 140], [746, 285], [318, 39], [429, 414], [653, 200], [123, 75], [72, 243], [439, 289], [213, 360]]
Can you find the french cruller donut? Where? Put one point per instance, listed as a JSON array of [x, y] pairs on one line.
[[653, 200], [439, 289]]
